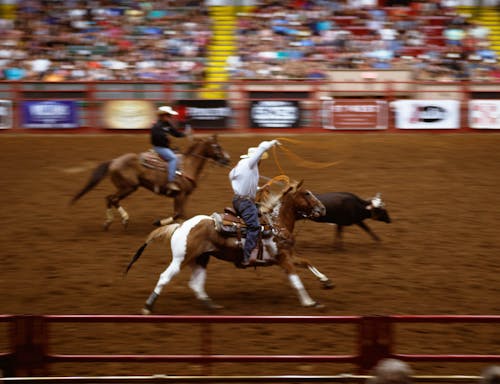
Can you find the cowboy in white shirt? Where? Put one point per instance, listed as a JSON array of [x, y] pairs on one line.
[[244, 179]]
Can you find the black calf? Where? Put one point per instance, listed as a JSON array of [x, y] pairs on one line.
[[345, 208]]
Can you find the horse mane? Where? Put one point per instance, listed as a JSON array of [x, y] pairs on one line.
[[269, 199], [192, 147]]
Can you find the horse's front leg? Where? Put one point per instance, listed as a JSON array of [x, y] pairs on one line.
[[289, 267], [113, 201], [179, 211], [305, 263]]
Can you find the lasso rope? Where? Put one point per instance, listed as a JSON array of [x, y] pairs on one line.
[[281, 179], [299, 160]]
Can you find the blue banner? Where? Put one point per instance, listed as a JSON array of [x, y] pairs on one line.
[[49, 114]]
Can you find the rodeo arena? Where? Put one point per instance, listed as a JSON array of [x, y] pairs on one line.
[[352, 145]]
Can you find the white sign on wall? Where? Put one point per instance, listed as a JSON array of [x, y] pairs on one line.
[[5, 114], [427, 114], [484, 114]]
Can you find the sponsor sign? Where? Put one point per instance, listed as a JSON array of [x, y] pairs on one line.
[[275, 114], [128, 114], [49, 114], [204, 113], [427, 114], [354, 114], [484, 114], [5, 114]]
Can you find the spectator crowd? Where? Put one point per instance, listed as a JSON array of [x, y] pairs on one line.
[[163, 40], [308, 39], [91, 40]]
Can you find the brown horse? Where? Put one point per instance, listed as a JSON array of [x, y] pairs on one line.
[[130, 171], [196, 239]]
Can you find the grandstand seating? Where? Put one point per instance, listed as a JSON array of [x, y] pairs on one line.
[[488, 17]]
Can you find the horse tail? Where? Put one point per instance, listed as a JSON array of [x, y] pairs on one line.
[[163, 233], [97, 175]]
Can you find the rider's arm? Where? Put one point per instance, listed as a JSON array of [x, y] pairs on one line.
[[174, 132], [263, 147]]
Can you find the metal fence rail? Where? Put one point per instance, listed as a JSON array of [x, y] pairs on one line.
[[30, 340], [346, 378]]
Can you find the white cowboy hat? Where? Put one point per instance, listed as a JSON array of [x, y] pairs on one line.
[[251, 150], [166, 109]]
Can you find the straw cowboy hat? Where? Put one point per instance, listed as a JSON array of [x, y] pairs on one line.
[[251, 150], [166, 109]]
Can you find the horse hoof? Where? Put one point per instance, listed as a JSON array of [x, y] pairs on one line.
[[105, 226], [315, 304], [157, 223], [328, 284], [146, 311], [209, 304]]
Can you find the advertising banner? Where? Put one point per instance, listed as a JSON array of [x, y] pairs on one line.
[[5, 114], [49, 114], [484, 114], [427, 114], [204, 113], [275, 114], [128, 114], [354, 114]]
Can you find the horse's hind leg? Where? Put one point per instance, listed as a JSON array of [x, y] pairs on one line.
[[113, 201], [172, 270], [110, 217], [197, 284]]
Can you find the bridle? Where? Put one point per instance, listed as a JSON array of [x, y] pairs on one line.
[[312, 208]]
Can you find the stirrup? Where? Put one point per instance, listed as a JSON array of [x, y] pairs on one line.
[[171, 186]]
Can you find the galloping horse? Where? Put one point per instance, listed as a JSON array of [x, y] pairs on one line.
[[129, 172], [195, 240]]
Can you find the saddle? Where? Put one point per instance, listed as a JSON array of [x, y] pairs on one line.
[[151, 159], [230, 224]]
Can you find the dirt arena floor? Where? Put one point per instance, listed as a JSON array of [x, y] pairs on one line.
[[440, 255]]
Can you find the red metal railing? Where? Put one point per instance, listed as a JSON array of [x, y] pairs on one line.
[[30, 340]]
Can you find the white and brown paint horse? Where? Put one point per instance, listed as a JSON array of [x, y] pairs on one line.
[[129, 172], [196, 239]]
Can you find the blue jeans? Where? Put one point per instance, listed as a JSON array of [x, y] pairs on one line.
[[168, 155], [247, 210]]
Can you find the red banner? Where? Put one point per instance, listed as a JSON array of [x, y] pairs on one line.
[[355, 114]]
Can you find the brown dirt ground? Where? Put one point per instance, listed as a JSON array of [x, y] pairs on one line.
[[439, 256]]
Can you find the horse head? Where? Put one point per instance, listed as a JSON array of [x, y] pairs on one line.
[[307, 205], [214, 151]]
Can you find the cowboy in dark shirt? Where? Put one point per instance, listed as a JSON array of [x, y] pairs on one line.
[[160, 132]]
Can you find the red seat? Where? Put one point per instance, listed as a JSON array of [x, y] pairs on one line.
[[343, 20], [434, 20], [359, 30], [412, 51], [435, 40]]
